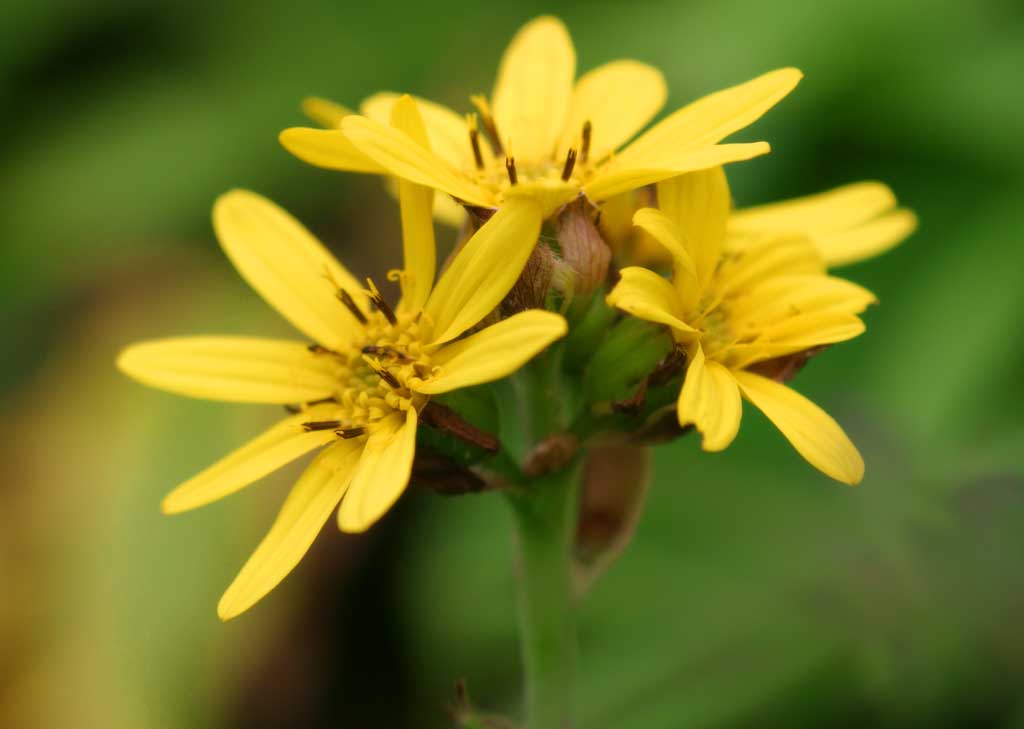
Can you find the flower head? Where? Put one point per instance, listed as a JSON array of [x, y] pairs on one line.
[[746, 311], [360, 387], [544, 134]]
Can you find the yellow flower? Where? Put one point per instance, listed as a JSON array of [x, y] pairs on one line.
[[544, 136], [371, 370], [742, 315], [848, 224]]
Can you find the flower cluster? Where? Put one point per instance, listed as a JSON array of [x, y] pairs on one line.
[[621, 259]]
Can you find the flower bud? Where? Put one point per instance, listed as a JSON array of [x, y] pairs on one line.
[[570, 260], [631, 351], [583, 249]]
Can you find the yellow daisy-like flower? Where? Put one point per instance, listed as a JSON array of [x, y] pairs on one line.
[[372, 369], [544, 135], [744, 314]]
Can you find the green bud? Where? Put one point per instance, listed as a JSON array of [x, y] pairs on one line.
[[632, 349], [590, 318]]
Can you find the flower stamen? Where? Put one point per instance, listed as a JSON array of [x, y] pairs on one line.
[[346, 298], [320, 349], [570, 162], [348, 433], [474, 140], [585, 145], [382, 372], [387, 351], [321, 425], [480, 102], [378, 300], [510, 167]]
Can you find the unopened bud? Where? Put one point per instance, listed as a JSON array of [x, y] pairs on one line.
[[590, 319], [570, 260], [630, 352], [531, 288], [582, 247]]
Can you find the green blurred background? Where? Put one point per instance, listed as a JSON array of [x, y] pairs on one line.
[[756, 592]]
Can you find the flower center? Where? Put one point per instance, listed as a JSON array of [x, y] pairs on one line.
[[502, 170], [378, 373]]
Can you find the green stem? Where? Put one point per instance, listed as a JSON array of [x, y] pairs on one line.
[[545, 518]]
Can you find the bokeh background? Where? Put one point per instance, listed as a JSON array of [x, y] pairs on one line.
[[756, 592]]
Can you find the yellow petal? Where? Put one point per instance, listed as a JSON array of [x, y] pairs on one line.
[[485, 269], [531, 95], [382, 475], [618, 99], [266, 453], [448, 212], [416, 203], [324, 112], [814, 328], [665, 231], [742, 271], [710, 401], [648, 296], [709, 120], [494, 352], [837, 209], [232, 369], [811, 431], [446, 130], [797, 334], [327, 148], [698, 203], [403, 157], [549, 194], [623, 175], [784, 296], [848, 224], [868, 240], [287, 266], [303, 515]]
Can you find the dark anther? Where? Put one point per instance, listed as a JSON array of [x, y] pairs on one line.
[[474, 142], [510, 166], [321, 425], [346, 298], [488, 121], [347, 433], [585, 147], [570, 162], [320, 349], [293, 409], [382, 306], [387, 352], [386, 376]]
